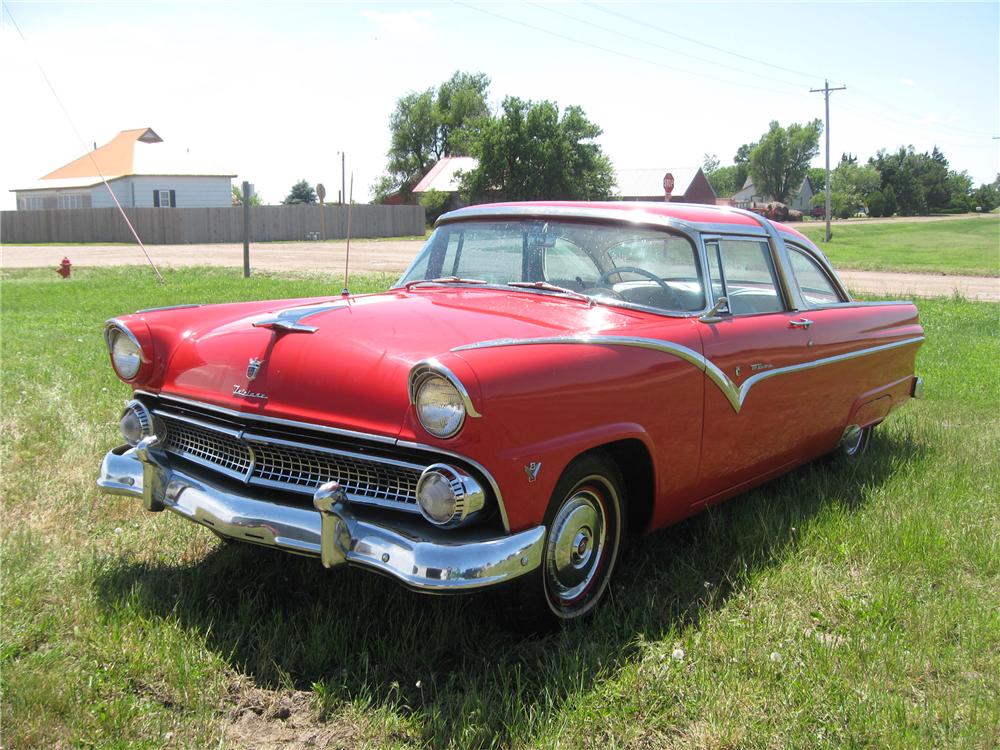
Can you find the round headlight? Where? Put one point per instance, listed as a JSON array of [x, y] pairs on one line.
[[440, 407], [136, 423], [448, 496], [126, 356]]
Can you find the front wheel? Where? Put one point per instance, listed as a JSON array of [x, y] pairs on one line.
[[585, 531]]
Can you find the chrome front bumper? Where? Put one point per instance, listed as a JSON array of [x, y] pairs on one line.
[[422, 558]]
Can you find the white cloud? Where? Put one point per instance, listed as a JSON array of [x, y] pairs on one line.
[[907, 82]]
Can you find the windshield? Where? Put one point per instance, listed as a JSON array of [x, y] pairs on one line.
[[648, 267]]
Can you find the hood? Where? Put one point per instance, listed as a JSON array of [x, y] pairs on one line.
[[350, 368]]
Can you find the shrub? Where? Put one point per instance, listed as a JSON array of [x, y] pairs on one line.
[[435, 203]]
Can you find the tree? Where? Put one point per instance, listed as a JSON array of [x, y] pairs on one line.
[[779, 163], [301, 192], [530, 152], [850, 188], [724, 180], [817, 176], [427, 125], [435, 203], [987, 196], [238, 197]]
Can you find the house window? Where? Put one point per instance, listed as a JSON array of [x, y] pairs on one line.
[[32, 203], [69, 201], [164, 199]]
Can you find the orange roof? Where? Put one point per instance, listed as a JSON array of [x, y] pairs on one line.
[[113, 158]]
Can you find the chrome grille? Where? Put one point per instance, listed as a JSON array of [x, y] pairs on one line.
[[288, 465], [208, 447]]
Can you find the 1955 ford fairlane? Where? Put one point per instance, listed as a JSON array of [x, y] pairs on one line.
[[545, 379]]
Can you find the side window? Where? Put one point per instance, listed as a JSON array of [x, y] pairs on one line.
[[815, 285], [746, 276]]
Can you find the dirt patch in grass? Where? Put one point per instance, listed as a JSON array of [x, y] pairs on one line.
[[285, 719]]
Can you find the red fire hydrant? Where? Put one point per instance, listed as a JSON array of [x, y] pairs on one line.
[[64, 268]]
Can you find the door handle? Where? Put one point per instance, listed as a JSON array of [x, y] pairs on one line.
[[800, 323]]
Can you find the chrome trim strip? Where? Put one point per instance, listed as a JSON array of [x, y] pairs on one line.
[[253, 437], [198, 423], [270, 420], [638, 215], [736, 395], [417, 555], [431, 365], [810, 249], [167, 307], [290, 320]]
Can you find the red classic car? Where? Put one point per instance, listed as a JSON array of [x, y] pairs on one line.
[[544, 379]]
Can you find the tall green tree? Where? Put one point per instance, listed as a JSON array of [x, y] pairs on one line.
[[779, 162], [851, 186], [301, 192], [530, 151], [428, 125], [724, 180]]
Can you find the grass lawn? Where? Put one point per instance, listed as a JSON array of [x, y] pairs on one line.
[[835, 607], [964, 246]]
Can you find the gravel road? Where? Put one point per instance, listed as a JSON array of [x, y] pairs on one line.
[[393, 256]]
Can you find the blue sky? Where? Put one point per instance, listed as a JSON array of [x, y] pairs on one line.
[[274, 92]]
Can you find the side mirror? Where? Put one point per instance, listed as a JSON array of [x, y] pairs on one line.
[[720, 308]]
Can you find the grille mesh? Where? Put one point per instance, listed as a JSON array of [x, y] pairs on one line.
[[211, 447], [295, 468]]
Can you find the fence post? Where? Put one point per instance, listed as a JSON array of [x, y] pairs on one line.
[[246, 229]]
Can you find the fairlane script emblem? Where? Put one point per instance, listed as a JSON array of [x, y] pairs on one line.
[[253, 367], [532, 470], [240, 391]]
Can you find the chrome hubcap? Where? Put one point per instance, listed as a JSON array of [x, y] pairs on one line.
[[575, 547]]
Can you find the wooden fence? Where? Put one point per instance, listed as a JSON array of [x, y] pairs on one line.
[[179, 226]]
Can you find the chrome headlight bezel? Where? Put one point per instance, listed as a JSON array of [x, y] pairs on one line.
[[122, 343], [147, 424], [430, 374], [467, 495]]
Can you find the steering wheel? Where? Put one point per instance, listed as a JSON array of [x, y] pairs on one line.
[[642, 272]]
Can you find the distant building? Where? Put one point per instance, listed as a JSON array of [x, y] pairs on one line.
[[749, 197], [688, 185], [444, 178], [140, 169]]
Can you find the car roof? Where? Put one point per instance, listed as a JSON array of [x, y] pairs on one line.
[[691, 213]]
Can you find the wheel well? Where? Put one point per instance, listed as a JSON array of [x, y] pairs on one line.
[[636, 466]]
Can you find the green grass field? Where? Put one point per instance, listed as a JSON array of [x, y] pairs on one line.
[[960, 246], [835, 607]]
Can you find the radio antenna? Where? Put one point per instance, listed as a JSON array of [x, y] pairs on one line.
[[347, 260]]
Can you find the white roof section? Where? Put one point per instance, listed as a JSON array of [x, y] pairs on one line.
[[648, 181], [444, 175]]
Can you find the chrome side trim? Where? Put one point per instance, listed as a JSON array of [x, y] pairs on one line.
[[419, 556], [431, 365], [736, 395], [269, 420], [166, 307], [290, 320]]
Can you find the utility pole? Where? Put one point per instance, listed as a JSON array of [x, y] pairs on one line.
[[343, 184], [246, 229], [826, 95]]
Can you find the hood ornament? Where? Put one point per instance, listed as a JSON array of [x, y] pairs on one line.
[[253, 367]]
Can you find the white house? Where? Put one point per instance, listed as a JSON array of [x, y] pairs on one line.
[[750, 197], [142, 171]]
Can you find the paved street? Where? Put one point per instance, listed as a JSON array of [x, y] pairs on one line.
[[393, 256]]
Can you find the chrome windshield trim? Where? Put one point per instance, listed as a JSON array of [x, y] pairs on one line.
[[736, 395], [270, 420]]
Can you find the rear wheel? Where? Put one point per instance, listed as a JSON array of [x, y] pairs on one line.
[[585, 531]]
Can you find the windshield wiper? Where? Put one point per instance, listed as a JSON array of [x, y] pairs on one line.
[[546, 286], [443, 280]]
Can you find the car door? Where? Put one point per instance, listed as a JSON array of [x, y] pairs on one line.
[[760, 394]]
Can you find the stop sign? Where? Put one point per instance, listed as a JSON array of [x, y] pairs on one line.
[[668, 183]]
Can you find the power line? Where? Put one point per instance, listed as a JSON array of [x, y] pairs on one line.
[[619, 53], [646, 25], [663, 47], [84, 144]]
